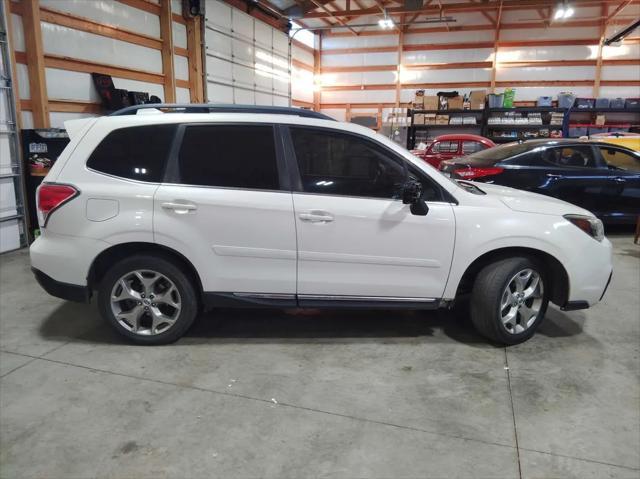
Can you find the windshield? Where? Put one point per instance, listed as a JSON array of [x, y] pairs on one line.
[[497, 153]]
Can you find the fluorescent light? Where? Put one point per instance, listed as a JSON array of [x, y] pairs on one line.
[[385, 23], [568, 12], [559, 13]]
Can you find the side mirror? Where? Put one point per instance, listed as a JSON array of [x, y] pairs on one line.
[[412, 195]]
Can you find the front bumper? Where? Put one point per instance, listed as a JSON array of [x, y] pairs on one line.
[[70, 292]]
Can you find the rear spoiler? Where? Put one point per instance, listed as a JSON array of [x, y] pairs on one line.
[[74, 127]]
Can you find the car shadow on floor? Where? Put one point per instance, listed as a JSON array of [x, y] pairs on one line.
[[273, 326]]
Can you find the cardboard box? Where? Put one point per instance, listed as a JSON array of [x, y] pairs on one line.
[[442, 119], [430, 119], [418, 100], [600, 120], [477, 99], [455, 103], [418, 119], [430, 102]]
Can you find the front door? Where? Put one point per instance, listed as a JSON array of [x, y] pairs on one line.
[[622, 202], [224, 207], [355, 236]]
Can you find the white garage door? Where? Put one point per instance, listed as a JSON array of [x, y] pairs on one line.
[[247, 60]]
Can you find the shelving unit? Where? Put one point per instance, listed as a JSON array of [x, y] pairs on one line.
[[432, 130], [624, 118]]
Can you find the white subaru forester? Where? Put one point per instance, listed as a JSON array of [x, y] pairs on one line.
[[190, 207]]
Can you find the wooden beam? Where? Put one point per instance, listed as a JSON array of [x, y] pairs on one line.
[[317, 74], [303, 104], [12, 62], [399, 68], [144, 5], [494, 60], [302, 65], [302, 46], [620, 7], [446, 46], [74, 106], [35, 63], [603, 30], [194, 56], [330, 13], [166, 33]]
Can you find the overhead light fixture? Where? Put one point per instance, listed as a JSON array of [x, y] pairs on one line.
[[385, 23], [563, 11]]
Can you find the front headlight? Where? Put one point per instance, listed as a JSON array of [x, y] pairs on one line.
[[590, 225]]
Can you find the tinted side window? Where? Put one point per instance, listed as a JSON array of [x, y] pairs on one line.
[[341, 164], [446, 147], [621, 159], [240, 156], [571, 156], [138, 153], [469, 147]]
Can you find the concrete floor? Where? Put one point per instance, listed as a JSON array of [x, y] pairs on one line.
[[279, 394]]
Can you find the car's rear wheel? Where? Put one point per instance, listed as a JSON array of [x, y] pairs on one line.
[[509, 300], [147, 299]]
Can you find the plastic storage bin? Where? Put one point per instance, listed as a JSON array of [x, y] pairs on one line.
[[576, 131], [632, 103], [566, 100], [496, 100], [582, 103], [616, 103], [594, 130], [544, 101], [618, 129], [602, 103]]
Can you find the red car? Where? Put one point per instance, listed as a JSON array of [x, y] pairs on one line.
[[447, 147]]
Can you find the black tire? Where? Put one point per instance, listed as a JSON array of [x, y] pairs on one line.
[[189, 304], [486, 297]]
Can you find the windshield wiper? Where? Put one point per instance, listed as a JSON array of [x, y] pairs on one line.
[[472, 188]]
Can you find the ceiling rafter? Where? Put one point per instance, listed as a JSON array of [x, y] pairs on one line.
[[336, 18], [459, 7]]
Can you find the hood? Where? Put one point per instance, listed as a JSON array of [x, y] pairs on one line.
[[527, 202]]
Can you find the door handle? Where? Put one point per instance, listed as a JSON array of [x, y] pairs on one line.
[[315, 216], [552, 176], [179, 208], [619, 180]]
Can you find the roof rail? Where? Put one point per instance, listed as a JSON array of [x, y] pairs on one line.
[[221, 108]]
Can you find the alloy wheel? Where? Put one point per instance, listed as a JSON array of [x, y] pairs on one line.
[[521, 301], [145, 302]]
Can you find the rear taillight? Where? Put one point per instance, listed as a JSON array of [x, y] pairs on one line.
[[473, 173], [51, 197]]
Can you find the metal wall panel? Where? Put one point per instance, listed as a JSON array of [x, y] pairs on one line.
[[63, 41], [104, 11], [247, 61]]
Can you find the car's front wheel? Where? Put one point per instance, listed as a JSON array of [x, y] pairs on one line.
[[509, 300], [148, 299]]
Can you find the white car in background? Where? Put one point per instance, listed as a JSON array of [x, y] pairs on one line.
[[207, 206]]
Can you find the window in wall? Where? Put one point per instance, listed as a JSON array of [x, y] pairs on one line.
[[137, 153], [240, 156], [340, 164]]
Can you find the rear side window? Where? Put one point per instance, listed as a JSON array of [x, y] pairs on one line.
[[469, 147], [137, 153], [571, 156], [239, 156], [446, 147]]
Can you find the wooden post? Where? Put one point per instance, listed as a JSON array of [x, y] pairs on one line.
[[494, 63], [399, 70], [317, 75], [35, 63], [166, 34], [194, 52], [603, 30]]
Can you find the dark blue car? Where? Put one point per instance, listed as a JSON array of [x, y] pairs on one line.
[[601, 177]]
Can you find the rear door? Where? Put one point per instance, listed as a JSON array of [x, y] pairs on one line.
[[622, 201], [225, 205], [576, 174], [356, 239]]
